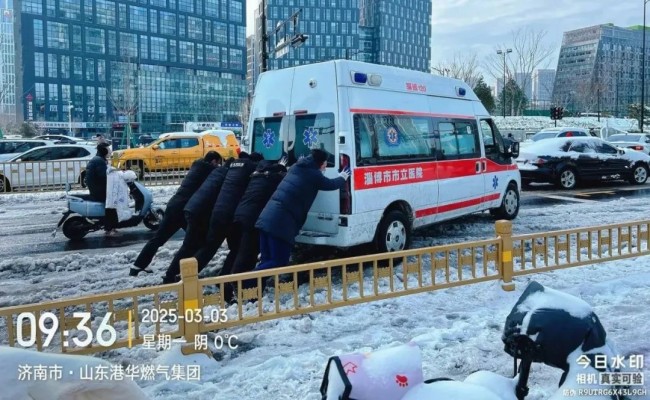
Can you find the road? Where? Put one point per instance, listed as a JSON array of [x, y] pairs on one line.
[[26, 228]]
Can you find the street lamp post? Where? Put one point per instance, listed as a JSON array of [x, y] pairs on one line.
[[645, 2], [70, 108], [297, 40], [504, 77]]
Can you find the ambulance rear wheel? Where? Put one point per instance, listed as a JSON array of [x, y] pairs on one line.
[[393, 232]]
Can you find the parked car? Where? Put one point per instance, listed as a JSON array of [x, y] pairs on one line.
[[550, 133], [567, 161], [9, 148], [175, 151], [66, 139], [639, 141], [46, 166]]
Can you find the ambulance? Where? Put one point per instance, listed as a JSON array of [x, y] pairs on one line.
[[421, 149]]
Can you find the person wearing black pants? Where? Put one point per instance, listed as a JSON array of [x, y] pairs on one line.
[[96, 183], [223, 211], [174, 220], [197, 214], [261, 186]]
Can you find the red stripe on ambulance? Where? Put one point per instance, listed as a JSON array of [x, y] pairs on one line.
[[455, 206]]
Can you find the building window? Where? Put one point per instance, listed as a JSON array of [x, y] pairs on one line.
[[101, 70], [172, 51], [65, 95], [236, 11], [33, 6], [186, 52], [153, 21], [77, 68], [65, 67], [199, 54], [158, 3], [105, 12], [181, 26], [224, 57], [52, 70], [128, 45], [50, 7], [144, 46], [57, 35], [241, 36], [186, 5], [220, 32], [233, 36], [70, 9], [158, 49], [138, 19], [112, 43], [208, 30], [39, 64], [212, 8], [38, 33], [211, 56], [95, 42], [90, 69], [236, 57], [195, 28], [167, 23], [122, 8]]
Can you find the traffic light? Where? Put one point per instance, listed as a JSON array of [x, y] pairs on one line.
[[560, 112], [557, 113], [554, 113]]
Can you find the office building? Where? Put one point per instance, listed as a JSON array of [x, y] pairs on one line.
[[543, 80], [525, 83], [365, 30], [7, 64], [252, 64], [599, 69], [151, 64]]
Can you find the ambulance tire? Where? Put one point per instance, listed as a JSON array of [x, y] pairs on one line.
[[393, 232], [509, 205]]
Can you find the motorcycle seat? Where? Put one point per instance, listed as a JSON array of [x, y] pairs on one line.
[[86, 197]]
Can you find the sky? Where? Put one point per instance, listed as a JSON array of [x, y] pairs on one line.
[[481, 26]]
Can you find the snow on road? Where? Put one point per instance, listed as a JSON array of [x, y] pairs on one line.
[[458, 329]]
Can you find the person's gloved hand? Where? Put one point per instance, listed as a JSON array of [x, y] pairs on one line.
[[283, 161], [345, 174]]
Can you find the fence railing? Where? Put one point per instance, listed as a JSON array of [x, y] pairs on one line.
[[307, 288], [43, 176]]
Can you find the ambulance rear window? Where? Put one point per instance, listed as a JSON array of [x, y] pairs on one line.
[[267, 138]]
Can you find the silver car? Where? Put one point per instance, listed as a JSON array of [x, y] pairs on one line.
[[634, 141]]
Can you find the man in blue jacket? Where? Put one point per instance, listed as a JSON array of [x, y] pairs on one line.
[[173, 221], [286, 212]]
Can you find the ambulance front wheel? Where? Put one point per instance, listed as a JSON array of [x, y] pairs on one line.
[[509, 205], [393, 232]]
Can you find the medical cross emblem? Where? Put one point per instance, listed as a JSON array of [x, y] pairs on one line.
[[495, 182], [392, 136], [269, 139], [310, 137]]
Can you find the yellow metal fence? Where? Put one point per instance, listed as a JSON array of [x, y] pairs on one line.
[[196, 306]]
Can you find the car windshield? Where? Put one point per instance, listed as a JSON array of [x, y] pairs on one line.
[[624, 138], [543, 135]]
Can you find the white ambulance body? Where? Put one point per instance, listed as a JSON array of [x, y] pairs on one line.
[[422, 149]]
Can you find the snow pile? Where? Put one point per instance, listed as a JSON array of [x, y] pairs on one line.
[[539, 123]]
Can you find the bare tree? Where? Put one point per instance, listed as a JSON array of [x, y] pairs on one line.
[[529, 52], [124, 92], [463, 66]]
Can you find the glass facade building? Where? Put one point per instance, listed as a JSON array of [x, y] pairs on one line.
[[154, 63], [388, 32], [7, 64], [600, 68]]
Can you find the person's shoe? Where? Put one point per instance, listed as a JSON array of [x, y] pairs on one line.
[[136, 270], [167, 280]]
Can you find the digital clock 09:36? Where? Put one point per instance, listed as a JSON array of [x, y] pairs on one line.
[[49, 324]]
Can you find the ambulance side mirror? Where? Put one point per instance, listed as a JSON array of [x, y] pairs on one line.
[[513, 150]]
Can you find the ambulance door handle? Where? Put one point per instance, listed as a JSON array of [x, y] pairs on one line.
[[484, 166], [478, 167]]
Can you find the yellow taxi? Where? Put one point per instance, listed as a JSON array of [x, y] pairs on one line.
[[177, 151]]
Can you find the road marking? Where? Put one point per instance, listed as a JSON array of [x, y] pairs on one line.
[[552, 196], [590, 193]]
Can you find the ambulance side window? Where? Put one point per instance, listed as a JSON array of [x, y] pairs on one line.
[[458, 140]]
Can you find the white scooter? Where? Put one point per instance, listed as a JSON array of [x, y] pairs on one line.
[[85, 215]]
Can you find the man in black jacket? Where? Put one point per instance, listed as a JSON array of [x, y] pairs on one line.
[[96, 183], [197, 213], [173, 220], [223, 211], [262, 185], [286, 212]]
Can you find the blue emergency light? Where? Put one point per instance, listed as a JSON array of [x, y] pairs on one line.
[[461, 91], [359, 78]]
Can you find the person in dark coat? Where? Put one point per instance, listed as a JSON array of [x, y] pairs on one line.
[[96, 183], [173, 221], [96, 173], [232, 190], [286, 212], [197, 213], [263, 183]]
